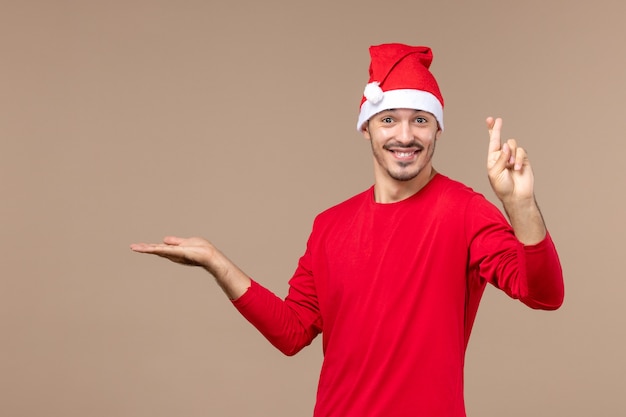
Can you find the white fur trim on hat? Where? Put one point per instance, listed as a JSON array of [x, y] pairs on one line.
[[400, 99]]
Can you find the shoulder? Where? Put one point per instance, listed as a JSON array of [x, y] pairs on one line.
[[346, 208], [449, 191], [442, 182], [472, 207]]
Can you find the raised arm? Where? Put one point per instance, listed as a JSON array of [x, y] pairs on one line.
[[196, 251], [512, 180]]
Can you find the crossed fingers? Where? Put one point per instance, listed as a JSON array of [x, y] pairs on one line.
[[507, 155]]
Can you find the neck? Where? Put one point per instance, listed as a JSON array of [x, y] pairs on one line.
[[389, 190]]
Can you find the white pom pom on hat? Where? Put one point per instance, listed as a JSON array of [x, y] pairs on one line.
[[373, 93], [400, 78]]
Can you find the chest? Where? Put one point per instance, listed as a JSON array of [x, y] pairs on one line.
[[385, 258]]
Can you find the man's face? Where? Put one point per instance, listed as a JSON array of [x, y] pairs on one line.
[[403, 143]]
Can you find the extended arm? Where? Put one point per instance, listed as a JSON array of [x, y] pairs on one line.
[[289, 324], [196, 251]]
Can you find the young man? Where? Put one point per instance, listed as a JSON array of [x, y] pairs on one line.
[[392, 277]]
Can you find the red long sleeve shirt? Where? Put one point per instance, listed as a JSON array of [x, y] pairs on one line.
[[394, 290]]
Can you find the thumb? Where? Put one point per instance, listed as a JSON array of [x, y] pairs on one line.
[[173, 240]]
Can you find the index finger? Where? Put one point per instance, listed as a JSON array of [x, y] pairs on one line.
[[495, 127]]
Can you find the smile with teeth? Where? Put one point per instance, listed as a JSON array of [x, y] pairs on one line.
[[405, 153]]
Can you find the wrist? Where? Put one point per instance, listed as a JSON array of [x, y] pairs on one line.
[[514, 205], [215, 262]]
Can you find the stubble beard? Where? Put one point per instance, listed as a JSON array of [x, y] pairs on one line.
[[403, 175]]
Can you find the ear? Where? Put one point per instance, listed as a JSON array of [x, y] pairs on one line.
[[438, 134], [366, 130]]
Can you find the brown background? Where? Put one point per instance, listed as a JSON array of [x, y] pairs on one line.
[[125, 121]]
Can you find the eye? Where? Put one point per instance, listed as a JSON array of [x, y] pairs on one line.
[[387, 119], [420, 119]]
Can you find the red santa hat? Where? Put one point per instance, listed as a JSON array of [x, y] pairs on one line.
[[399, 78]]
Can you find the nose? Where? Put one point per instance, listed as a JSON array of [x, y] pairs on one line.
[[405, 135]]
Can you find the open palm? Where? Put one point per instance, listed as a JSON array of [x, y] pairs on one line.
[[187, 251]]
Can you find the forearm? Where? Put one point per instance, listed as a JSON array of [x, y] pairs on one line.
[[286, 324], [544, 276], [526, 220]]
